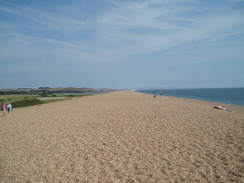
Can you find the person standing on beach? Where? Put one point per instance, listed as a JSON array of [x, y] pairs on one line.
[[4, 106], [9, 107], [161, 94], [155, 93]]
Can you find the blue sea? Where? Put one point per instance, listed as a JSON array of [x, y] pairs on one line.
[[233, 96]]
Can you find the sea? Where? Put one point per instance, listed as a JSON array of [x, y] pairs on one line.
[[233, 96]]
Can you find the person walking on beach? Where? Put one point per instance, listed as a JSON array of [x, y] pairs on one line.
[[4, 106], [155, 94], [9, 108], [161, 94]]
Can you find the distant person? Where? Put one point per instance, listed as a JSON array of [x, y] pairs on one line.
[[4, 106], [225, 109], [161, 94], [9, 108], [155, 93]]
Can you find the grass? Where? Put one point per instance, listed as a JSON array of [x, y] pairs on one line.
[[12, 98], [28, 100]]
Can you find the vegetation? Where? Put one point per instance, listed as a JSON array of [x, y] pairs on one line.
[[43, 94], [11, 98], [48, 90], [30, 96], [37, 99], [26, 102]]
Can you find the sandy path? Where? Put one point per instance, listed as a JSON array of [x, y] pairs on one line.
[[122, 137]]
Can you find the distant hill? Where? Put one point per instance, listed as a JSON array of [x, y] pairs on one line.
[[49, 90], [76, 90], [44, 88]]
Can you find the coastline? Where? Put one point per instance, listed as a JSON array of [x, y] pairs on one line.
[[211, 104], [122, 136], [232, 96]]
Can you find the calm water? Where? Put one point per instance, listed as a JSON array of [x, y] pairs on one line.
[[233, 96]]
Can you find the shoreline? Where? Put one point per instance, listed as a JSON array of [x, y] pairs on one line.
[[122, 136], [236, 108], [231, 96]]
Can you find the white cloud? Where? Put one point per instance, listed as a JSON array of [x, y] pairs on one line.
[[125, 29], [115, 25]]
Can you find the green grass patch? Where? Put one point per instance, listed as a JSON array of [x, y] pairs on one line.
[[29, 100], [26, 102], [6, 98], [9, 99]]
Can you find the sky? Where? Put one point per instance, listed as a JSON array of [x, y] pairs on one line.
[[122, 44]]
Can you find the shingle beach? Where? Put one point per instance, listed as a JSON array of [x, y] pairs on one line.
[[122, 136]]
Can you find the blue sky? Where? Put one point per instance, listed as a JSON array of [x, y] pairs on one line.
[[122, 44]]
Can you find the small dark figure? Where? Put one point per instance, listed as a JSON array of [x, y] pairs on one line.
[[161, 94], [155, 93]]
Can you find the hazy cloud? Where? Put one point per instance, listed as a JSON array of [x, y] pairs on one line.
[[89, 33]]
